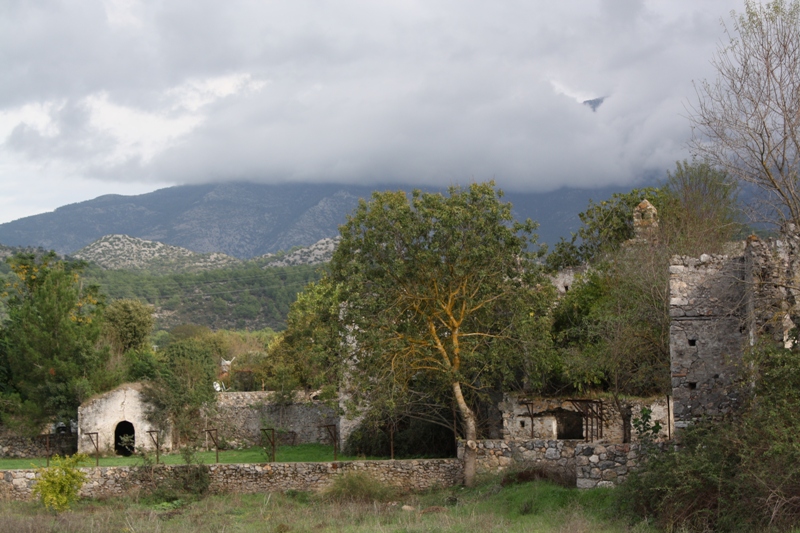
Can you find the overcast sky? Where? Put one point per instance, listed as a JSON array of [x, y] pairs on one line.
[[127, 96]]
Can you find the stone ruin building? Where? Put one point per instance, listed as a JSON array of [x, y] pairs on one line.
[[719, 306], [117, 418], [116, 421]]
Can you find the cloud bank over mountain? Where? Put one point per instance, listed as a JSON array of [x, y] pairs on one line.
[[128, 95]]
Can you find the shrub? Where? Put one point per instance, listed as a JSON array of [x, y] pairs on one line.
[[194, 478], [58, 485], [358, 487], [738, 474], [185, 483]]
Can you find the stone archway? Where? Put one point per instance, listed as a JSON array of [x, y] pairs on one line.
[[124, 438]]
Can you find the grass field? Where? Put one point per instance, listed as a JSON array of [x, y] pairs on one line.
[[536, 506], [285, 454]]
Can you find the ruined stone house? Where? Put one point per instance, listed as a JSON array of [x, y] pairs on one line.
[[719, 306], [116, 422]]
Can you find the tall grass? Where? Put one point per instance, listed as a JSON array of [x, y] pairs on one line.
[[358, 487], [522, 507]]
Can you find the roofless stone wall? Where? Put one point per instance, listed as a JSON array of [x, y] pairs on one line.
[[721, 305], [239, 417], [27, 447], [707, 334]]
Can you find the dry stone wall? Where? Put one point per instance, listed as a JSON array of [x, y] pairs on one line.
[[604, 465], [239, 417], [498, 455], [29, 447], [414, 475], [589, 464]]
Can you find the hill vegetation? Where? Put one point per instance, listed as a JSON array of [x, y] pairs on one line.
[[247, 296]]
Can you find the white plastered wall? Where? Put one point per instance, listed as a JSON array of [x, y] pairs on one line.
[[102, 413]]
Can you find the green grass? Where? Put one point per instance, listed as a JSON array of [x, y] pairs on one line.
[[486, 508], [285, 454]]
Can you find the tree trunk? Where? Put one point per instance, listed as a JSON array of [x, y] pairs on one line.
[[391, 440], [470, 436]]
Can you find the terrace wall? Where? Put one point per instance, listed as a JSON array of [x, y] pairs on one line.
[[26, 447], [589, 464], [414, 475]]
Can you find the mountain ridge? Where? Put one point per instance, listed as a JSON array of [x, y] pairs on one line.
[[247, 220]]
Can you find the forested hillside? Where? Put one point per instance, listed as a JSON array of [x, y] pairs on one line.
[[244, 297]]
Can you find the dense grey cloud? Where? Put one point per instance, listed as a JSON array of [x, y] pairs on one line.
[[127, 95]]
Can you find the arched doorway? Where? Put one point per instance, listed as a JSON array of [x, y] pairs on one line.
[[124, 438]]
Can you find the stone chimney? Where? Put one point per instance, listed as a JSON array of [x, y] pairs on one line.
[[645, 222]]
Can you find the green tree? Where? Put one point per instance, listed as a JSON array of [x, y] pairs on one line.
[[49, 340], [699, 209], [443, 287], [605, 226], [128, 324], [612, 328], [311, 345], [185, 384]]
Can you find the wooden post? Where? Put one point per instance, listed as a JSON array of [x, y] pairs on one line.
[[269, 433], [213, 434], [155, 441]]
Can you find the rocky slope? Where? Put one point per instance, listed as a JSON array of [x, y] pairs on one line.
[[121, 252], [319, 252], [238, 219]]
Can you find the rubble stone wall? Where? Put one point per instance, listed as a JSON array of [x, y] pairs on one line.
[[604, 465], [414, 475], [239, 417], [29, 447], [589, 464], [498, 455], [708, 332]]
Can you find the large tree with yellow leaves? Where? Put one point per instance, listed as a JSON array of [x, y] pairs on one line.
[[442, 289]]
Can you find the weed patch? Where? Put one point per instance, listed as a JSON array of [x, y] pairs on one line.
[[359, 487]]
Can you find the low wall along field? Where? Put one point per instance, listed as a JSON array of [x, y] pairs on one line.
[[589, 464], [413, 475], [25, 447]]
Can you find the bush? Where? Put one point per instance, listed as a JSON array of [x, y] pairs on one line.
[[194, 478], [738, 474], [58, 485], [186, 482], [359, 487]]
